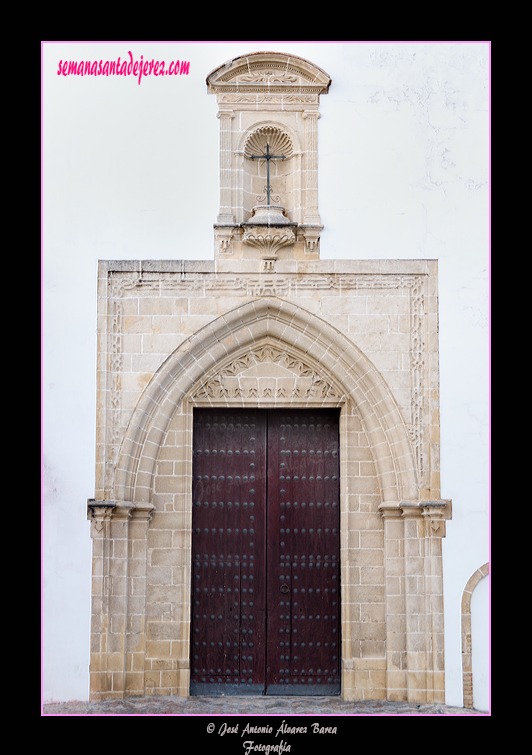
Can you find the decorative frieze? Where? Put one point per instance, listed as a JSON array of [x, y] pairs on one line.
[[197, 284]]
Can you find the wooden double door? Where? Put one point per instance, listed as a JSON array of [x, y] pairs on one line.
[[266, 552]]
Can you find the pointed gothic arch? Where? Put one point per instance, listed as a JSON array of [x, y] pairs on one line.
[[286, 327]]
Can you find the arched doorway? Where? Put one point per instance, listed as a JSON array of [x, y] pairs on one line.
[[267, 355]]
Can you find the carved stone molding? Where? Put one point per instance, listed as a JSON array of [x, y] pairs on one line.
[[268, 231], [268, 72], [125, 284], [268, 241], [311, 238], [269, 101], [267, 372], [100, 512], [224, 236], [431, 515]]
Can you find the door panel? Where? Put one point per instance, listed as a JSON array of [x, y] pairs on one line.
[[228, 578], [303, 553], [265, 572]]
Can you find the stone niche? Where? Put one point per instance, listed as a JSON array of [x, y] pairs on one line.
[[268, 324], [268, 100]]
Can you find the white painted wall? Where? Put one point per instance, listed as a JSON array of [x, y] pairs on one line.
[[130, 171]]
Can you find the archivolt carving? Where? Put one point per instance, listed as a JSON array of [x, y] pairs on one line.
[[294, 379]]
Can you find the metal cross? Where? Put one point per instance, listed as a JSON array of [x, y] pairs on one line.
[[268, 157]]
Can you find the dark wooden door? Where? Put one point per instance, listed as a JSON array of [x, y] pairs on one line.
[[303, 535], [265, 547]]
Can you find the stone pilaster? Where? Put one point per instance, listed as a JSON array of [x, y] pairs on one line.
[[226, 214], [137, 586], [119, 576], [100, 676], [311, 215], [394, 576], [433, 515], [414, 599]]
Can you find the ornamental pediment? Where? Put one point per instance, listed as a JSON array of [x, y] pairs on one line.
[[268, 71]]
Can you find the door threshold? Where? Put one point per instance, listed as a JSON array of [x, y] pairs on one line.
[[226, 689], [304, 690]]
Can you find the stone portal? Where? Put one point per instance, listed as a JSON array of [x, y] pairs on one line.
[[267, 328]]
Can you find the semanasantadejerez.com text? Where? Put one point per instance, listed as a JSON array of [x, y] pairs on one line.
[[123, 68]]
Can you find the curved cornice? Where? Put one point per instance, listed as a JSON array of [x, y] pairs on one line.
[[260, 71]]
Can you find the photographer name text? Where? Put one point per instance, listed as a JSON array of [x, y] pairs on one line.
[[250, 746]]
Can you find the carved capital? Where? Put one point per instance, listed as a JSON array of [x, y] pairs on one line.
[[142, 512], [432, 514], [122, 510], [391, 510], [311, 237], [99, 514], [311, 114], [102, 512], [99, 509], [411, 510], [224, 236]]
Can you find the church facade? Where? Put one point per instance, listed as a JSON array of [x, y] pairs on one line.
[[268, 515]]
